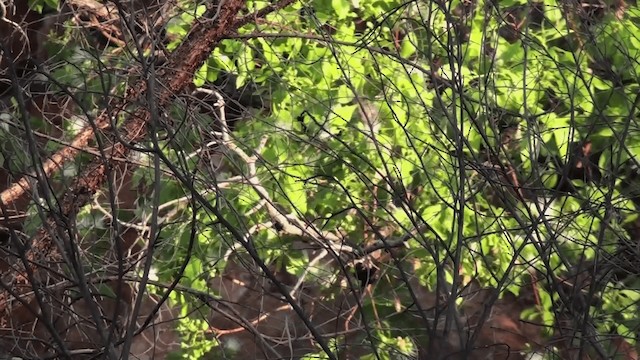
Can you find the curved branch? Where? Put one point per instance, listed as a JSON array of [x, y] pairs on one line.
[[175, 76]]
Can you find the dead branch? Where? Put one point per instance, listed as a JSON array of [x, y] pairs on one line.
[[174, 77]]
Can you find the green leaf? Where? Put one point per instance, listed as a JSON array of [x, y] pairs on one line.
[[408, 48], [342, 115], [200, 76], [294, 188], [341, 8], [193, 270]]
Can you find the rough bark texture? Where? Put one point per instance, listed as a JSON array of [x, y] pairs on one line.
[[50, 321]]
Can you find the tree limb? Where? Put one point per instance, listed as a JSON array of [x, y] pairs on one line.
[[175, 76]]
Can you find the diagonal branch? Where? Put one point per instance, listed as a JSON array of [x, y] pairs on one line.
[[175, 77]]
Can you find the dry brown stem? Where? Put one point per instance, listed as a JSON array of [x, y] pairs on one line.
[[174, 76]]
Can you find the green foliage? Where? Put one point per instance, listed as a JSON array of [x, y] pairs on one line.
[[41, 5], [385, 112], [195, 343], [331, 159]]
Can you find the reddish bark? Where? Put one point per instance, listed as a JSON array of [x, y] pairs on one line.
[[42, 268]]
